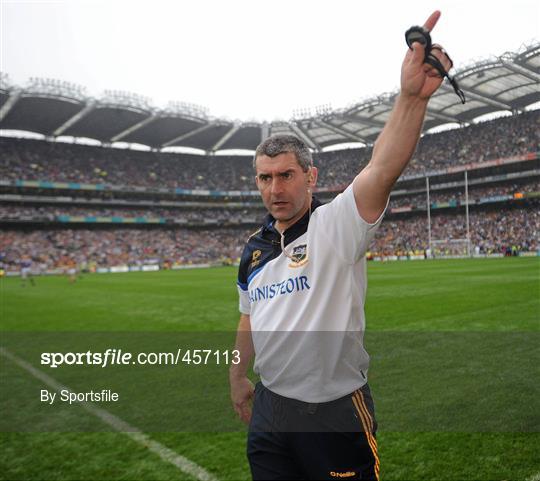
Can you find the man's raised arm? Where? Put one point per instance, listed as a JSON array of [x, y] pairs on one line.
[[397, 142]]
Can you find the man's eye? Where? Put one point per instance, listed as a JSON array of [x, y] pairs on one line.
[[286, 175], [264, 178]]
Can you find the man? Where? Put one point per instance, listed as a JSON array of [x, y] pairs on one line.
[[302, 283], [26, 270]]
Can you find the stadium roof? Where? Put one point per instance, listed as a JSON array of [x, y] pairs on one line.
[[54, 108]]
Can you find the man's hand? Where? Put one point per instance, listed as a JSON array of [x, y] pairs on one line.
[[419, 79], [397, 141], [242, 391]]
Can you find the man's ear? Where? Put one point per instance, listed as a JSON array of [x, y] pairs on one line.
[[312, 176]]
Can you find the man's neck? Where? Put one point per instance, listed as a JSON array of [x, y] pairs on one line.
[[282, 226]]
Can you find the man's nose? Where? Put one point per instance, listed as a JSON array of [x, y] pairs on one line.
[[277, 186]]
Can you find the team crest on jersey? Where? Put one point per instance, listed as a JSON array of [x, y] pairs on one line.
[[299, 256], [256, 258]]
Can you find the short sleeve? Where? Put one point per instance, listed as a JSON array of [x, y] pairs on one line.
[[344, 227], [242, 281], [244, 306]]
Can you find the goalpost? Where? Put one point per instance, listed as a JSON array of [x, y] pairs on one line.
[[456, 248], [449, 247]]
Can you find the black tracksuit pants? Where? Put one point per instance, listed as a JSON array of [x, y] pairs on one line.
[[290, 439]]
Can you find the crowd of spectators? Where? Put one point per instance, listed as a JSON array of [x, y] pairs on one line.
[[491, 232], [50, 249], [251, 215], [504, 137], [51, 213], [61, 162], [476, 193]]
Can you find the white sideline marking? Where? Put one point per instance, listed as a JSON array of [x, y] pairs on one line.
[[181, 462]]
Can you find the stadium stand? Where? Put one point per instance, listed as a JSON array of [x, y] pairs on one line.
[[61, 162], [90, 249], [101, 206], [56, 108], [501, 231], [493, 231], [247, 216], [131, 227]]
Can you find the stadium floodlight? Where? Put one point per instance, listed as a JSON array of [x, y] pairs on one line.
[[323, 110], [188, 109], [127, 99], [302, 113], [56, 88]]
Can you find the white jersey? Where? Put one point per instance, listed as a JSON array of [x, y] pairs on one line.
[[307, 313]]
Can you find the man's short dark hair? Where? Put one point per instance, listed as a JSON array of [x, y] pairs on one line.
[[281, 144]]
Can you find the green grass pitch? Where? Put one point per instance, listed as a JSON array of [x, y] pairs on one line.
[[493, 297]]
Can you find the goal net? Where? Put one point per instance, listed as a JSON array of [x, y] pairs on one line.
[[450, 248]]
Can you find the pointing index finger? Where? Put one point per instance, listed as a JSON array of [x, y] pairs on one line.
[[432, 20]]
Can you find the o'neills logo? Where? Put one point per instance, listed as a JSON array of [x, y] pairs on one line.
[[299, 256], [255, 258], [348, 474]]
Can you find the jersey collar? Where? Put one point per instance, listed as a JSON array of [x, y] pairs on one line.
[[293, 231]]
